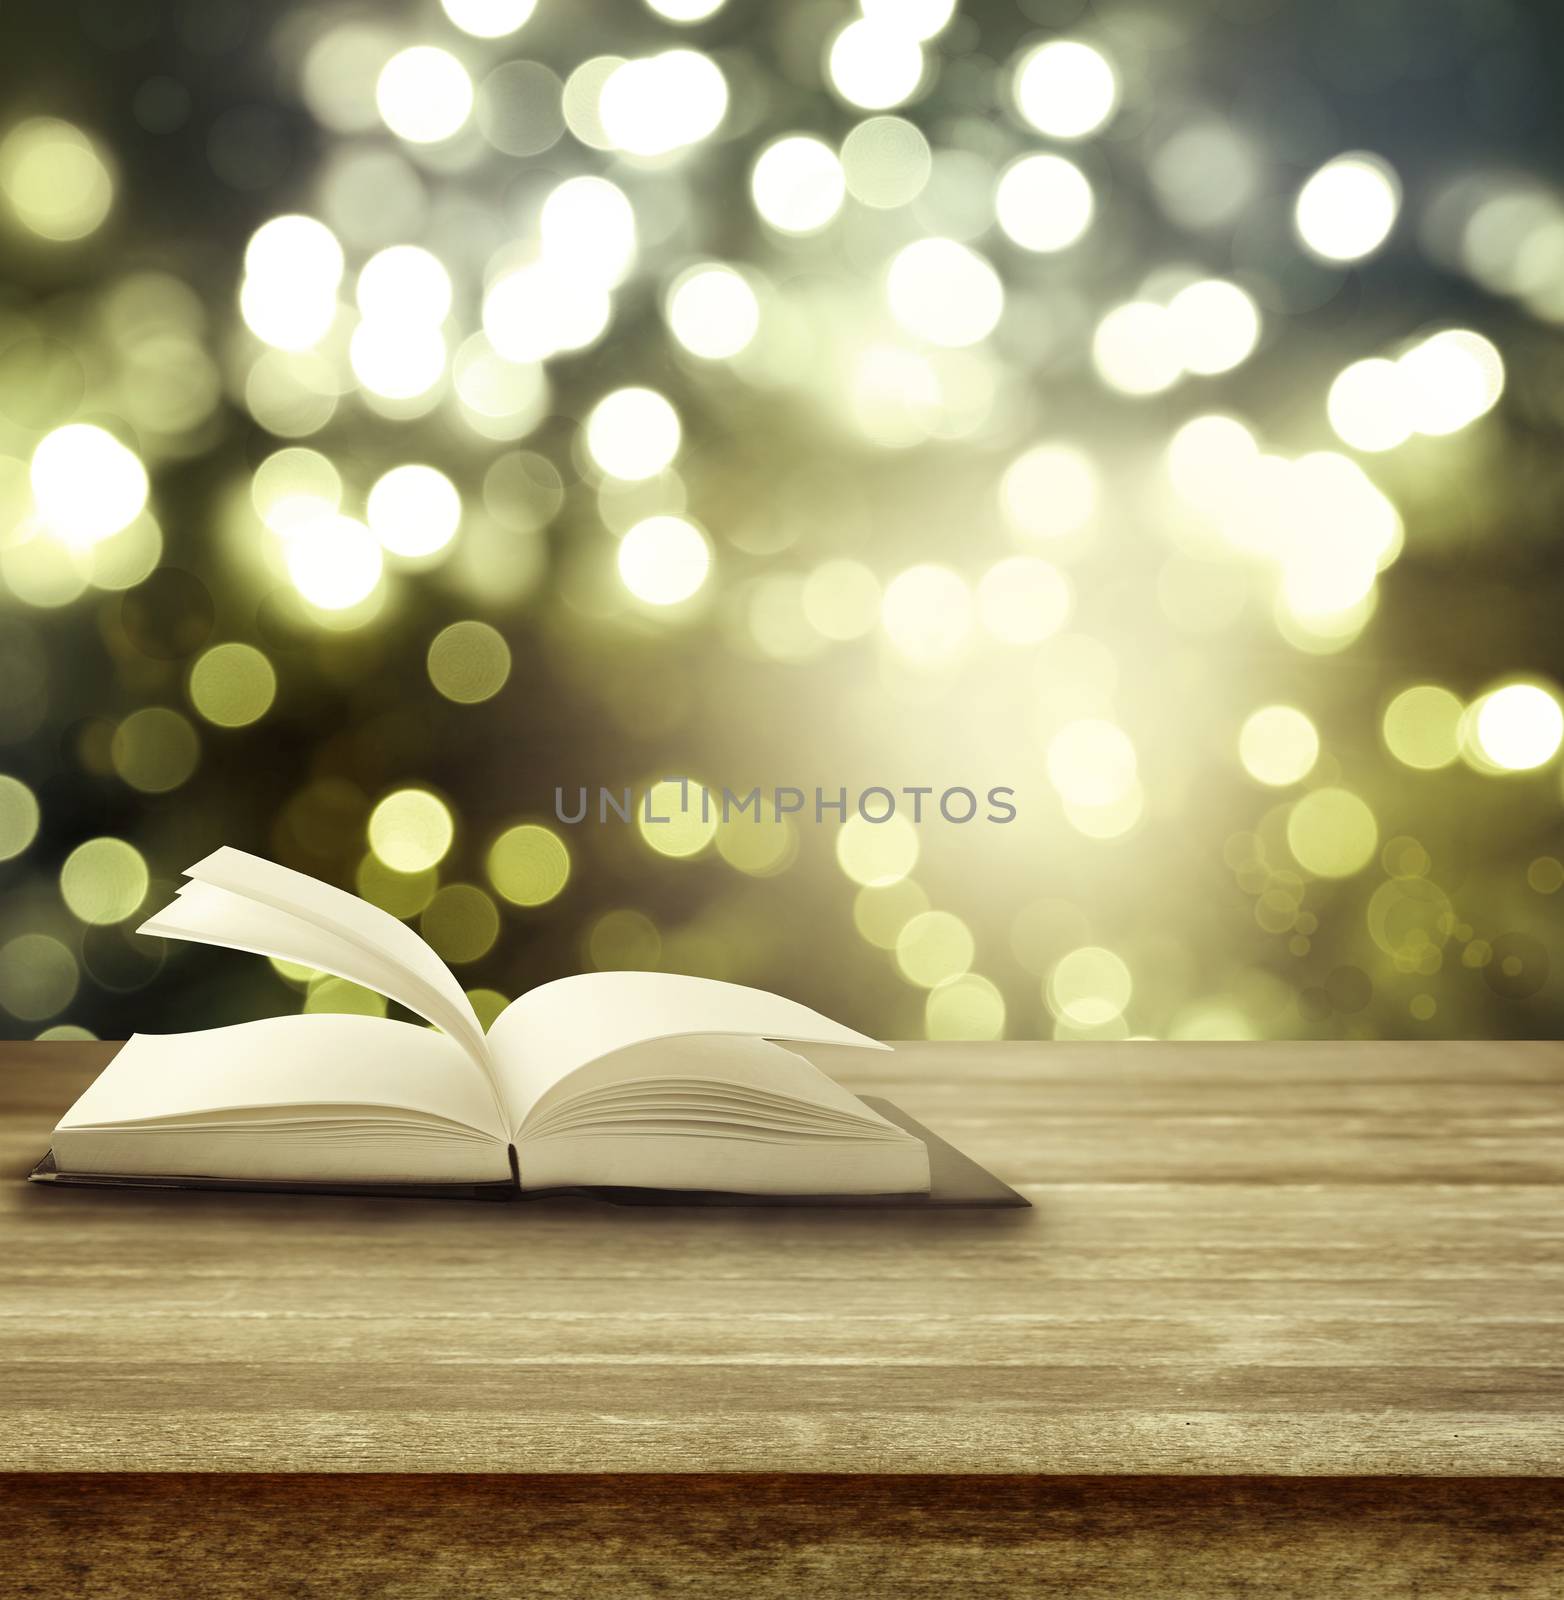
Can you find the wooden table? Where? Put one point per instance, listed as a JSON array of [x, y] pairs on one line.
[[1285, 1319]]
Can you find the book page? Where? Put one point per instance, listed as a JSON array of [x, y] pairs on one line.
[[297, 1062], [243, 902], [543, 1037]]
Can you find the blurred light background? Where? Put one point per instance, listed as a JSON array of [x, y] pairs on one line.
[[407, 409]]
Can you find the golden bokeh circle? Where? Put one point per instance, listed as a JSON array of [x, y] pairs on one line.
[[469, 662], [529, 864], [104, 880], [232, 685]]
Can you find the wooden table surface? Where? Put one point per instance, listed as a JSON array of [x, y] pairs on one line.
[[1250, 1271]]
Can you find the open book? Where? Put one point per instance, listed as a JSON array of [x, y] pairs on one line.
[[611, 1080]]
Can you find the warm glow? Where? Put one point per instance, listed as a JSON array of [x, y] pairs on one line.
[[1044, 203], [713, 312], [1208, 459], [1092, 763], [542, 309], [86, 484], [1422, 727], [529, 865], [1064, 89], [1089, 987], [411, 830], [664, 560], [1024, 600], [874, 64], [489, 19], [1278, 746], [1137, 349], [1518, 727], [1332, 833], [798, 184], [54, 179], [943, 292], [1347, 209], [424, 94], [334, 562], [685, 10], [1050, 491], [633, 434], [292, 267], [877, 853], [1215, 326], [587, 227], [414, 510], [1369, 405], [663, 103], [927, 613], [1449, 381], [404, 281]]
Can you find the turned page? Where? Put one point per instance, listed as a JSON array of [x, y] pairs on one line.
[[243, 902], [541, 1039]]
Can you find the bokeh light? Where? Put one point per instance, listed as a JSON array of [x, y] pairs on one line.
[[633, 433], [1216, 325], [878, 852], [104, 881], [798, 184], [1278, 746], [1024, 600], [529, 865], [874, 64], [878, 393], [933, 948], [335, 562], [943, 292], [1050, 491], [155, 749], [232, 685], [1369, 405], [1347, 209], [1044, 202], [678, 817], [86, 484], [469, 662], [404, 280], [18, 817], [712, 311], [424, 94], [411, 830], [1138, 349], [460, 924], [489, 19], [1422, 727], [886, 162], [1518, 727], [1065, 89], [1091, 762], [414, 510], [662, 103], [664, 560], [54, 179], [1332, 833], [965, 1007], [1089, 987], [927, 613]]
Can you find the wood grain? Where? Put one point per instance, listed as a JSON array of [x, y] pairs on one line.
[[1335, 1260], [487, 1538]]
